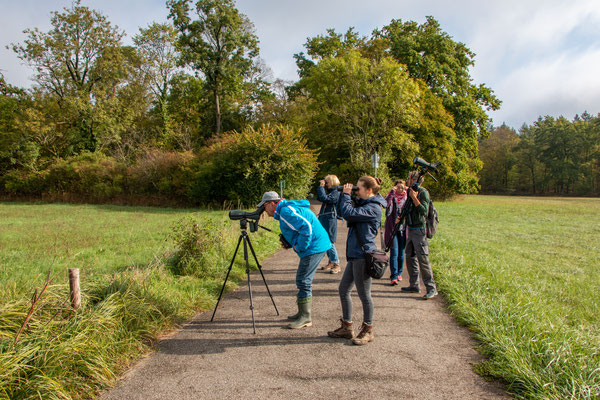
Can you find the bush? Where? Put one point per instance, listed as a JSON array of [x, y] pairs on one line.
[[240, 167], [160, 172], [199, 244], [91, 175]]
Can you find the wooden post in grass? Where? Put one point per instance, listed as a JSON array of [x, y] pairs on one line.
[[74, 285]]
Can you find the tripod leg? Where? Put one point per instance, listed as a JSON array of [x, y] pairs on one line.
[[227, 276], [246, 241], [263, 276]]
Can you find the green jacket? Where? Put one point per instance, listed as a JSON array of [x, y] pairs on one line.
[[417, 216]]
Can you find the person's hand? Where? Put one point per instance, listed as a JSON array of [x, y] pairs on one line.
[[398, 220], [348, 188], [413, 195], [322, 182]]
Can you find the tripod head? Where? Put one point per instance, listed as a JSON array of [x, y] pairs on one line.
[[254, 225]]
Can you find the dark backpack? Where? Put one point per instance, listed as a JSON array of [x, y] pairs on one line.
[[432, 220]]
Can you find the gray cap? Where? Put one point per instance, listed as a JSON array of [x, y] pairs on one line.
[[269, 196]]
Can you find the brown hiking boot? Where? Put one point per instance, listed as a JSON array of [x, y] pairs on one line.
[[335, 269], [345, 331], [328, 266], [364, 336]]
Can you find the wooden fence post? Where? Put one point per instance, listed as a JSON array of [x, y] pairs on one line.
[[74, 285]]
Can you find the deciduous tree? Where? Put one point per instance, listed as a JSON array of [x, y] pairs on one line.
[[220, 44]]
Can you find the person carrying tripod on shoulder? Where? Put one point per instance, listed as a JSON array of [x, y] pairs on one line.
[[417, 246]]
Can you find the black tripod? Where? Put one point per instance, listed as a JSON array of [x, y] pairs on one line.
[[244, 236]]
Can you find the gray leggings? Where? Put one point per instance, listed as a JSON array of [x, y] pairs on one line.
[[355, 273]]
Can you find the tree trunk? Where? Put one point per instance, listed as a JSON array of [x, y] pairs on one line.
[[217, 111]]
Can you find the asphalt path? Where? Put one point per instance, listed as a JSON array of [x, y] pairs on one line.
[[419, 351]]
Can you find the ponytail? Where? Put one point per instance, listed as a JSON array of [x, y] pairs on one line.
[[371, 183]]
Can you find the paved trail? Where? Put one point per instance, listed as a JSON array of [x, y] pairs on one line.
[[419, 351]]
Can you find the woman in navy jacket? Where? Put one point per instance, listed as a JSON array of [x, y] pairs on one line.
[[364, 220], [328, 194]]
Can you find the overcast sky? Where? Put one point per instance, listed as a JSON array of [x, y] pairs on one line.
[[539, 57]]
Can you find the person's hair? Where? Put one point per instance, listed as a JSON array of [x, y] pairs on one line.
[[397, 181], [414, 175], [371, 183], [332, 180]]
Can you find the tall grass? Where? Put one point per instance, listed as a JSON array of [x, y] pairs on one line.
[[523, 274], [130, 293]]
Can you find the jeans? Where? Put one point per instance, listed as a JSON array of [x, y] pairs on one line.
[[332, 255], [397, 254], [355, 274], [306, 272]]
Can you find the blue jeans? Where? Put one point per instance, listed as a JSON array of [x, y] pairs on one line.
[[332, 255], [306, 272], [397, 255]]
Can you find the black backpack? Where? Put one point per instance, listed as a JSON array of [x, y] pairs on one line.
[[432, 220]]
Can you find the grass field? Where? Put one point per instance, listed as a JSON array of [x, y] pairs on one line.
[[523, 274], [130, 294]]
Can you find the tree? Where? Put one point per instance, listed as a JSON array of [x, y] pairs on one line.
[[220, 44], [360, 106], [80, 65], [16, 149], [156, 44], [431, 55], [498, 157]]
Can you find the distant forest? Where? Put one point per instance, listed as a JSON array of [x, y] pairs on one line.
[[552, 156]]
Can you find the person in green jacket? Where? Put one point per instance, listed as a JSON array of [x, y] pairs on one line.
[[417, 247]]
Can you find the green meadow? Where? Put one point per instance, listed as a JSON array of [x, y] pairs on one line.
[[131, 290], [523, 274]]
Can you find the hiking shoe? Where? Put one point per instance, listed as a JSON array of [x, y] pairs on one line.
[[336, 268], [430, 294], [345, 331], [328, 266], [364, 336], [394, 282], [410, 289], [399, 278]]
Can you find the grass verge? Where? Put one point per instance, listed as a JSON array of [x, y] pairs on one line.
[[523, 274], [130, 293]]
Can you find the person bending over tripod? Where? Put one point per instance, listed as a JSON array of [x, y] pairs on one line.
[[303, 231]]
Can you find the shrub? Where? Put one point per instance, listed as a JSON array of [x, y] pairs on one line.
[[199, 244], [239, 167], [91, 175], [160, 172]]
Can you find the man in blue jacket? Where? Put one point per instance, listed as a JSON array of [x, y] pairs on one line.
[[301, 228]]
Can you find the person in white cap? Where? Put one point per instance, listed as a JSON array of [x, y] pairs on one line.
[[303, 231]]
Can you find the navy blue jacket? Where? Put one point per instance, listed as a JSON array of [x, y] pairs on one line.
[[365, 218], [328, 213]]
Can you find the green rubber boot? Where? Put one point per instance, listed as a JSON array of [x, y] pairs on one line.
[[295, 316], [305, 309]]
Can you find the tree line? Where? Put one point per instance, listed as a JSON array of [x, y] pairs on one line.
[[552, 156], [158, 117]]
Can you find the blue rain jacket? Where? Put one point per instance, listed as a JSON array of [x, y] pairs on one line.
[[301, 228]]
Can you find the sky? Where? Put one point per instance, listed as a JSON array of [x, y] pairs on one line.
[[539, 57]]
